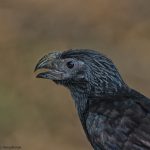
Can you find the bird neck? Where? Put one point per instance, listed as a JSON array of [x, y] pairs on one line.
[[83, 95], [80, 97]]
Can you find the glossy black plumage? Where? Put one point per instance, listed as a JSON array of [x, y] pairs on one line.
[[120, 123], [114, 116]]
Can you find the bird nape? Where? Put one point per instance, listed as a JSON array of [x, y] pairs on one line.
[[113, 116]]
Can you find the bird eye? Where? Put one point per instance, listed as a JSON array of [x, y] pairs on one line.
[[70, 64]]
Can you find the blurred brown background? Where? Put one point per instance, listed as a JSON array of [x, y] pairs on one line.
[[37, 114]]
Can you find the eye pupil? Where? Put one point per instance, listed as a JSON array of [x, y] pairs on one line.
[[70, 64]]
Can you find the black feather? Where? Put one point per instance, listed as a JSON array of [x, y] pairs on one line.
[[114, 116]]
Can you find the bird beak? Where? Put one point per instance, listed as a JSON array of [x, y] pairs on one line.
[[49, 62]]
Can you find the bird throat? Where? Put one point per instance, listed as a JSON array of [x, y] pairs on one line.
[[83, 96]]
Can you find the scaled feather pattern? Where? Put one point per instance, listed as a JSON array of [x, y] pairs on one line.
[[113, 115]]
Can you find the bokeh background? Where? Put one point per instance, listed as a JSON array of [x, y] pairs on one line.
[[37, 114]]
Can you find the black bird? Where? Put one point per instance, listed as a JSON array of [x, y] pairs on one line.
[[114, 116]]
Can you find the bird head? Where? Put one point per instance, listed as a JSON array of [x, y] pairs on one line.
[[81, 70], [59, 69]]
